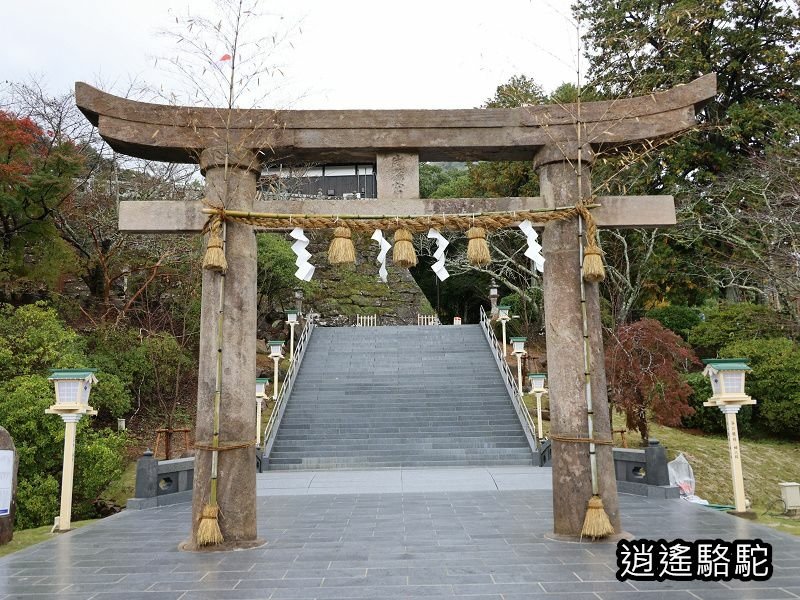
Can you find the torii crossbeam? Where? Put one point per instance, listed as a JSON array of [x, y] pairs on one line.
[[551, 136]]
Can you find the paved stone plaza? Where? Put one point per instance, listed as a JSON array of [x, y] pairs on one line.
[[348, 537]]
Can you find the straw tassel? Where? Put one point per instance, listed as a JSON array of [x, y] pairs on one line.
[[477, 249], [208, 532], [214, 259], [341, 249], [596, 523], [593, 269], [404, 254]]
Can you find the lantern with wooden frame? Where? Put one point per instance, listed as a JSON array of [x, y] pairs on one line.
[[73, 388], [538, 388], [261, 393], [504, 317], [276, 354], [292, 319], [727, 376]]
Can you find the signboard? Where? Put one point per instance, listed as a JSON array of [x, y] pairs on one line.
[[6, 481]]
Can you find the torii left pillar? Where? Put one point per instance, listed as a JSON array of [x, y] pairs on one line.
[[230, 182]]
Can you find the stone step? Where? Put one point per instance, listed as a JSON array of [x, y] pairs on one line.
[[409, 454], [320, 464], [343, 438], [399, 397]]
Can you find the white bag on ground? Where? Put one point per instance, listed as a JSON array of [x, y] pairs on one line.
[[682, 476]]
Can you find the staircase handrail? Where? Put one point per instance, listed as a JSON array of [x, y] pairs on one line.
[[512, 386], [271, 430]]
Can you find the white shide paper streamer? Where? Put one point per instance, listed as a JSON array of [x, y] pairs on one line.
[[305, 270], [441, 243], [534, 251], [384, 248]]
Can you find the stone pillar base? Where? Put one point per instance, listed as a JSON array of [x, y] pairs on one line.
[[189, 546], [744, 514]]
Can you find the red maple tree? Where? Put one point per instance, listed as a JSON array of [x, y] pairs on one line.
[[644, 365]]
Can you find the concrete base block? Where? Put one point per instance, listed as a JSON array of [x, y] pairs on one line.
[[661, 492], [165, 500]]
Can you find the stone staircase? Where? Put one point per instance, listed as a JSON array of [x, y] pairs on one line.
[[372, 397]]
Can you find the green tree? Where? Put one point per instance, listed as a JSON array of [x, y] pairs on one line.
[[731, 323], [678, 319], [636, 46], [155, 369], [36, 176], [774, 382], [709, 419], [34, 339], [276, 279]]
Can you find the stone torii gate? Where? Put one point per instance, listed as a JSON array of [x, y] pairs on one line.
[[553, 137]]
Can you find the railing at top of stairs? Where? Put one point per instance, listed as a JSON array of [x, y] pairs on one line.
[[512, 386], [366, 320], [271, 430]]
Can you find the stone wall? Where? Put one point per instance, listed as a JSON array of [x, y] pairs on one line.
[[343, 291]]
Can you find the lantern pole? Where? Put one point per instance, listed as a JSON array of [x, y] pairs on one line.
[[275, 359], [276, 354], [258, 421], [291, 340], [71, 404], [734, 449], [539, 414], [68, 471], [727, 377]]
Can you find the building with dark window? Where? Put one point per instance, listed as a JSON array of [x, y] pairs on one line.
[[331, 181]]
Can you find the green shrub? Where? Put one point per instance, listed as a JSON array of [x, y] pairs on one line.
[[110, 396], [37, 501], [39, 439], [144, 368], [33, 339], [774, 382], [678, 319], [99, 460], [735, 322]]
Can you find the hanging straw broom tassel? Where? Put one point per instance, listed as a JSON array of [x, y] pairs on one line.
[[403, 254], [596, 523], [593, 269], [208, 531], [477, 249], [214, 260], [341, 249]]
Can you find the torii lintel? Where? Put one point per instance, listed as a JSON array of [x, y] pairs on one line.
[[181, 133]]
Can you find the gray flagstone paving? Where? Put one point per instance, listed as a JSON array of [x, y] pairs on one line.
[[390, 542]]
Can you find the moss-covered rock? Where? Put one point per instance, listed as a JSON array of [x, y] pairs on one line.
[[341, 292]]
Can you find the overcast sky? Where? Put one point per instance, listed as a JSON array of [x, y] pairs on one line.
[[346, 53]]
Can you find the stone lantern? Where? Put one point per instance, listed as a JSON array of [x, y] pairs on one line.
[[494, 294], [727, 377], [73, 388]]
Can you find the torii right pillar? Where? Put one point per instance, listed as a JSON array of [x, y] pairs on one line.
[[557, 167]]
